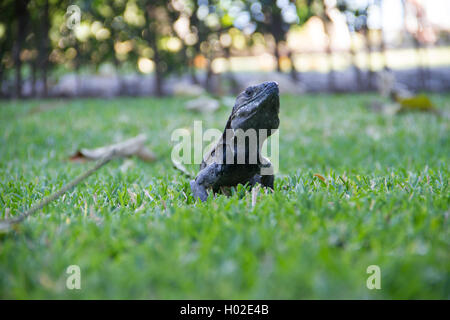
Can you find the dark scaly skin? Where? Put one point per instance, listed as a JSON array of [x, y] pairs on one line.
[[255, 108]]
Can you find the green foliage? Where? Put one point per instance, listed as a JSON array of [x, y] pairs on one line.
[[137, 233]]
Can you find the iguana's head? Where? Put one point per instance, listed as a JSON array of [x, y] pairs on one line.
[[257, 108]]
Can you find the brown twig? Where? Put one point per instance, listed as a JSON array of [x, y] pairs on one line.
[[6, 224]]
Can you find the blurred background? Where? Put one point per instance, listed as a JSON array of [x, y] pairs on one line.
[[58, 48]]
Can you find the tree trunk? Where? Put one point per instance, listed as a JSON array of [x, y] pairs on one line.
[[1, 80], [209, 73], [190, 65], [371, 72], [194, 21], [294, 72], [44, 47], [384, 52], [77, 64], [356, 69], [421, 72], [331, 76], [329, 52], [383, 42], [234, 85], [277, 33], [158, 73], [194, 77], [21, 14], [277, 56], [2, 68], [33, 77], [118, 77], [151, 39]]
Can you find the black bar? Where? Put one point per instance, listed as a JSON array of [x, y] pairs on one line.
[[224, 309]]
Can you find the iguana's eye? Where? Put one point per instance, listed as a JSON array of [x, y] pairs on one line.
[[249, 91]]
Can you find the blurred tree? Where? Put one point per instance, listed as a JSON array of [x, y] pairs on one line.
[[191, 30], [323, 10], [22, 18], [225, 23], [356, 16], [305, 11], [29, 53], [179, 35], [354, 19], [423, 35], [158, 28], [110, 30], [275, 18], [44, 44], [6, 39], [384, 60], [206, 23]]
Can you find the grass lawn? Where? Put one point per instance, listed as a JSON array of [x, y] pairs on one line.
[[135, 231]]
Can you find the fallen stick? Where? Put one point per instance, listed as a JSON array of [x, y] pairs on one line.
[[134, 146], [6, 224]]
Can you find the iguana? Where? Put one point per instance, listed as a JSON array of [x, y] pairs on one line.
[[235, 159], [255, 108]]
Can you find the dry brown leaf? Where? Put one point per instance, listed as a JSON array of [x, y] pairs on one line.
[[45, 107], [320, 177], [134, 146], [146, 154]]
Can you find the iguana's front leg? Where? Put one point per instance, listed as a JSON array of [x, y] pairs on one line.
[[267, 181], [205, 179], [265, 177]]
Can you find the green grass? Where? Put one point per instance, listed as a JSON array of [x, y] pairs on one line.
[[385, 202]]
